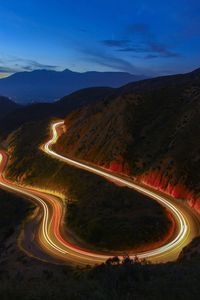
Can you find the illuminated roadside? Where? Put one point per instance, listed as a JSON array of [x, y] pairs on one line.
[[181, 219]]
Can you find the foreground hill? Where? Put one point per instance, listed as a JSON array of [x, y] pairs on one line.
[[150, 133], [47, 86], [25, 277]]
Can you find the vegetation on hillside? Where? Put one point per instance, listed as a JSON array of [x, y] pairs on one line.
[[153, 133]]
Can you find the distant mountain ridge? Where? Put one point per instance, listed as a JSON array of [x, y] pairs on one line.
[[47, 86]]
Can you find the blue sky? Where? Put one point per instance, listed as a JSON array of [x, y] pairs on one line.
[[141, 36]]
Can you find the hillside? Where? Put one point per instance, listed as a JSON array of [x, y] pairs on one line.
[[40, 111], [172, 81], [151, 135], [48, 86], [7, 106], [66, 104], [25, 277]]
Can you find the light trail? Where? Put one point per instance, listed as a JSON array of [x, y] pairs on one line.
[[183, 226], [70, 252], [49, 232], [39, 200]]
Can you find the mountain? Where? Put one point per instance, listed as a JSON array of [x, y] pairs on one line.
[[47, 86], [7, 106], [149, 130]]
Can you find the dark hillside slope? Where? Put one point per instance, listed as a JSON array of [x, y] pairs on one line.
[[40, 111], [7, 106], [152, 135], [172, 81]]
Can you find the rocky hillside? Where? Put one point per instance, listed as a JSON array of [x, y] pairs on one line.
[[149, 130]]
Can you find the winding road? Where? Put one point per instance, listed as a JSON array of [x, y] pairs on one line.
[[50, 234]]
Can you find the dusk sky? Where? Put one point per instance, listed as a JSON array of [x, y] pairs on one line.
[[141, 36]]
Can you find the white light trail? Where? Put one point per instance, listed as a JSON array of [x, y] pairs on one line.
[[183, 227]]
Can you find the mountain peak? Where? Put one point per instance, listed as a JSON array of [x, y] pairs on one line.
[[67, 71]]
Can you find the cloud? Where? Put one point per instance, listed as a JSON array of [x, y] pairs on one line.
[[151, 56], [140, 28], [6, 70], [31, 65], [17, 64], [135, 49], [156, 47], [116, 43], [111, 61], [141, 40]]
